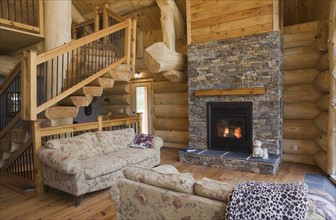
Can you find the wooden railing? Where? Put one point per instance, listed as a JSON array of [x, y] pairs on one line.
[[58, 73], [26, 15], [10, 100], [41, 135]]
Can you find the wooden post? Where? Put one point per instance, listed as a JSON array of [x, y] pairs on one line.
[[36, 137], [331, 135], [105, 16], [28, 86], [133, 42], [188, 22], [139, 122], [276, 24], [128, 41], [100, 122], [41, 18], [96, 21]]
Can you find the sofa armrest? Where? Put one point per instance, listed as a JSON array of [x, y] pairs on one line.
[[157, 143], [60, 161]]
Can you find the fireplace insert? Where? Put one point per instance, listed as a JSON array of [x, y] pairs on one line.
[[230, 126]]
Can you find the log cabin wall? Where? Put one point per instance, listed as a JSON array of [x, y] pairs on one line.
[[306, 94]]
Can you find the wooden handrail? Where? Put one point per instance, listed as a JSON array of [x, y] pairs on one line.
[[15, 71], [55, 130], [10, 124], [43, 57]]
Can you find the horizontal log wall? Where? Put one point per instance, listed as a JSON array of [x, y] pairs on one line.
[[306, 96], [215, 20]]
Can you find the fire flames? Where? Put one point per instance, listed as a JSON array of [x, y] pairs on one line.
[[231, 132]]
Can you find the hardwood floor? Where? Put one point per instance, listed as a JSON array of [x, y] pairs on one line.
[[97, 205]]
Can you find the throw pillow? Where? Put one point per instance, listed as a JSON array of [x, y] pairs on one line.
[[142, 141], [323, 204]]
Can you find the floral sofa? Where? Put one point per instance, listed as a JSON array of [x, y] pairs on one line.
[[164, 193], [94, 160]]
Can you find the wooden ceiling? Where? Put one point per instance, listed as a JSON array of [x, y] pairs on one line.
[[146, 12]]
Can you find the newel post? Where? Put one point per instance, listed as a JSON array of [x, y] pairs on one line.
[[128, 35], [28, 86], [36, 137]]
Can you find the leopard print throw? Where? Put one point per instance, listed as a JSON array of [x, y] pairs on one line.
[[270, 201]]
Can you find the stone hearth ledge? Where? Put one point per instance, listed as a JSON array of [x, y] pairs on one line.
[[231, 160]]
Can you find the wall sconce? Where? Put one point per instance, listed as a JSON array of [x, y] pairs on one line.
[[137, 74]]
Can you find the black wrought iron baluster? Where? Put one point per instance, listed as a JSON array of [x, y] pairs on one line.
[[45, 82], [67, 71], [56, 77], [52, 78], [33, 12], [62, 82], [21, 17], [8, 10], [72, 68], [27, 11], [76, 81], [14, 10]]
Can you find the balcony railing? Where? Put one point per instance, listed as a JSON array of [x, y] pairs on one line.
[[26, 15]]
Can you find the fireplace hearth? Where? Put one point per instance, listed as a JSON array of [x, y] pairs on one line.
[[230, 126]]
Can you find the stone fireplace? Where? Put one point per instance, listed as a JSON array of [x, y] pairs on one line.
[[243, 62]]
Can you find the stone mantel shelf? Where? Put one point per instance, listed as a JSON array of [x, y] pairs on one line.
[[233, 91]]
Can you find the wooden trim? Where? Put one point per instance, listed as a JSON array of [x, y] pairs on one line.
[[14, 24], [10, 77], [139, 116], [188, 22], [41, 17], [78, 86], [237, 91], [276, 24], [85, 126], [331, 134], [41, 58], [10, 124]]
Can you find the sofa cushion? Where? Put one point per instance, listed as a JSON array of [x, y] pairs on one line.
[[115, 140], [95, 167], [79, 147], [181, 182], [213, 189], [166, 169]]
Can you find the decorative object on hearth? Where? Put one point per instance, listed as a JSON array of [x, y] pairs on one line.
[[265, 154], [257, 150]]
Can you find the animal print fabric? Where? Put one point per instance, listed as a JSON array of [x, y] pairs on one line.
[[269, 201]]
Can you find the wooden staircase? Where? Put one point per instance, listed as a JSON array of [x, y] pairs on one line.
[[57, 83]]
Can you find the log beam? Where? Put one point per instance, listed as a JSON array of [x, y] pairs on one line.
[[59, 112], [175, 76], [159, 58]]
